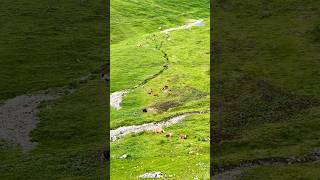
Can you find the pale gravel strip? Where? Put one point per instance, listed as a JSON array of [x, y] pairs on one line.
[[116, 98], [186, 26], [134, 129]]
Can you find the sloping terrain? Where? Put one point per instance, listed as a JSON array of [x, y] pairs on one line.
[[266, 89], [52, 49], [165, 77]]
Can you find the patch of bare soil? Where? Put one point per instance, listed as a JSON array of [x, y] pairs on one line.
[[165, 106]]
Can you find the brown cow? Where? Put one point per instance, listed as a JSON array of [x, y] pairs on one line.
[[183, 136], [169, 135], [159, 130]]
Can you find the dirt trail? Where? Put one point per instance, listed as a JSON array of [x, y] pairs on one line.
[[123, 131], [231, 172], [18, 117]]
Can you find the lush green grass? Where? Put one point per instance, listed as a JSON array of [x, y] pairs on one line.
[[139, 51], [71, 137], [265, 68], [187, 77], [177, 158], [49, 43], [133, 18], [298, 171]]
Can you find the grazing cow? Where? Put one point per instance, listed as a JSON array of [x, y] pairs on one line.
[[159, 130], [165, 88], [183, 136], [169, 135], [150, 92]]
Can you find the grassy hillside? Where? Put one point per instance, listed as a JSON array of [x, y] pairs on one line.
[[267, 98], [178, 61], [48, 44], [70, 136], [133, 18]]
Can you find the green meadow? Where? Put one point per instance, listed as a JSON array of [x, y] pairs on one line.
[[52, 44], [149, 61], [266, 76], [266, 85]]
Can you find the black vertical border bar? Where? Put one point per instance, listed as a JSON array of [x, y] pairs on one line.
[[211, 87], [107, 122]]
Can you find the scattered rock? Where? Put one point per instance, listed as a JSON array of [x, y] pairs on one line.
[[151, 175], [124, 156], [204, 139]]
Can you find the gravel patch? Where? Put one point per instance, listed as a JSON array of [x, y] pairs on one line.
[[18, 117], [151, 175], [116, 98]]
